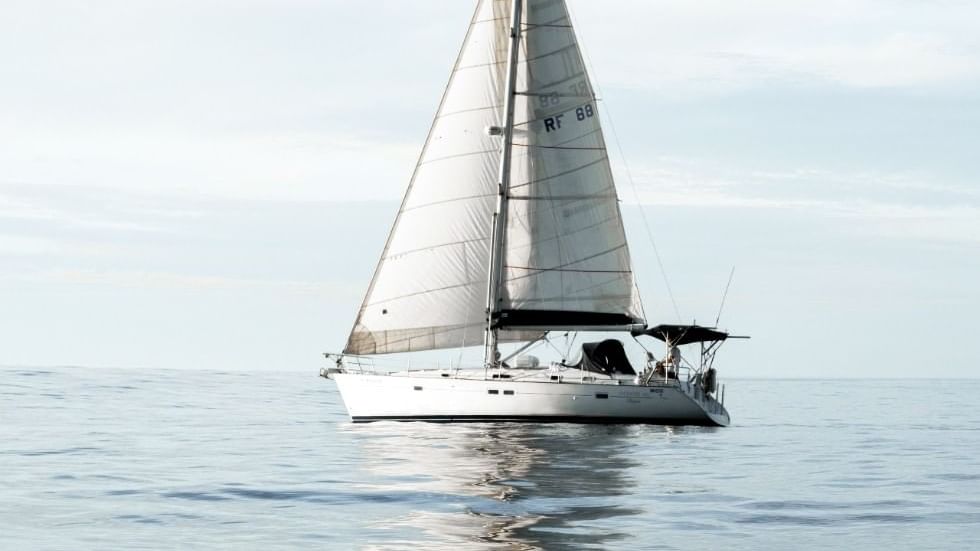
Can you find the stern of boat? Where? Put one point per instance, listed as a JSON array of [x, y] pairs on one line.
[[713, 408]]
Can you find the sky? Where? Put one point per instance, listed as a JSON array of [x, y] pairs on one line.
[[208, 184]]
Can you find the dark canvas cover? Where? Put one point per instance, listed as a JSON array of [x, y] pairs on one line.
[[606, 356]]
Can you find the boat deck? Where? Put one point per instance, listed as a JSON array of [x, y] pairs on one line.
[[538, 375]]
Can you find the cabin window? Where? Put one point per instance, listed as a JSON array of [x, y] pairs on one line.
[[418, 388], [554, 377], [500, 376], [508, 393], [601, 395], [493, 391]]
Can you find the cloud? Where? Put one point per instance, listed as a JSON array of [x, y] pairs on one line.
[[679, 48], [246, 103], [169, 280], [269, 100], [19, 245], [32, 204], [892, 205], [294, 165], [76, 235], [897, 60]]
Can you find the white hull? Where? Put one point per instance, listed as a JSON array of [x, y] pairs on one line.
[[525, 395]]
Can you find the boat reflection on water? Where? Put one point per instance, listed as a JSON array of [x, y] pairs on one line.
[[520, 486]]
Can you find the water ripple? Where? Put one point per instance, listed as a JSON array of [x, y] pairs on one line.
[[208, 459]]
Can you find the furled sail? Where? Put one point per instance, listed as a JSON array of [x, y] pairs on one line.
[[429, 289], [566, 260]]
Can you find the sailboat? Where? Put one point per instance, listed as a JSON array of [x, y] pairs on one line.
[[510, 232]]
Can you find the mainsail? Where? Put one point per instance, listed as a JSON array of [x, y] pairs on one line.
[[565, 259], [566, 263]]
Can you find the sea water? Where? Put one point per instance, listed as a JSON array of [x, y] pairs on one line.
[[139, 459]]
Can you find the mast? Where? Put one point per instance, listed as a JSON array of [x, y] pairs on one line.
[[500, 214]]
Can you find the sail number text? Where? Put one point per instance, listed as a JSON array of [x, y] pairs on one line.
[[581, 113]]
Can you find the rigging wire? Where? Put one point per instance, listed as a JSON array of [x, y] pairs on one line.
[[629, 176], [724, 296], [564, 357], [569, 343]]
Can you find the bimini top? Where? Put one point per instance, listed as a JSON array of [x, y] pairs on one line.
[[683, 334]]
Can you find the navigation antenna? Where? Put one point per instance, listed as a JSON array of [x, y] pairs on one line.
[[724, 296]]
